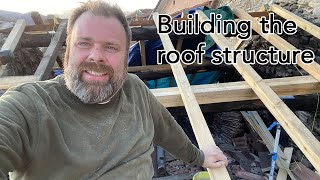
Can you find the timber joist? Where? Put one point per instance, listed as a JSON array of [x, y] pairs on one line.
[[254, 87]]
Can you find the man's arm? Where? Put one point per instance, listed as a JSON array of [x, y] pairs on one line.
[[15, 137], [170, 136]]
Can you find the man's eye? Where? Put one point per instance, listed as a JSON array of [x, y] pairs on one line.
[[83, 44], [111, 48]]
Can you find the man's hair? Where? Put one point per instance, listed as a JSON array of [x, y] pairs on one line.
[[97, 8]]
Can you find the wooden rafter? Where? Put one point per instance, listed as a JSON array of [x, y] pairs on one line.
[[44, 69], [214, 93], [313, 68], [31, 28], [13, 39], [283, 172], [198, 123], [302, 23], [298, 132], [258, 125], [36, 17], [238, 91]]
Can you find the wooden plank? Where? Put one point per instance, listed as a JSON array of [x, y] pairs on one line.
[[196, 117], [214, 4], [176, 177], [10, 81], [14, 36], [231, 92], [298, 132], [282, 174], [302, 172], [44, 69], [30, 28], [11, 42], [143, 53], [302, 23], [259, 126], [164, 67], [313, 68], [36, 17], [238, 91]]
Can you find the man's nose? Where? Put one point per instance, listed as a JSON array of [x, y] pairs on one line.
[[97, 54]]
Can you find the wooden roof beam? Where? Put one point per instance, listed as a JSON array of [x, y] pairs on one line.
[[198, 123], [13, 39], [281, 44], [46, 64], [298, 132], [302, 23]]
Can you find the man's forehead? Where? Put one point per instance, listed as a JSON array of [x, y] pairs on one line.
[[89, 23], [88, 18]]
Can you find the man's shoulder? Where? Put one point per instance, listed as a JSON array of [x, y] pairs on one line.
[[133, 80]]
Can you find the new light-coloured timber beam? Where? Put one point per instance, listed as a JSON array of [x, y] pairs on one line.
[[302, 23], [10, 81], [44, 69], [238, 91], [281, 44], [259, 126], [218, 93], [298, 132], [13, 39], [282, 173], [198, 123]]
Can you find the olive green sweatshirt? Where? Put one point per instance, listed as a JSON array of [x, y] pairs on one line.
[[46, 132]]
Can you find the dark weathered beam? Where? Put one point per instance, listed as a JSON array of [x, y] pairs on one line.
[[149, 75], [300, 103], [31, 28], [34, 40], [36, 17], [44, 69]]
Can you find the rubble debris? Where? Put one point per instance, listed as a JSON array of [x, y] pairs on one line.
[[302, 172]]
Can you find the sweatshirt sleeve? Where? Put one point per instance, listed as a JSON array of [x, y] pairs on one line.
[[170, 136], [15, 137]]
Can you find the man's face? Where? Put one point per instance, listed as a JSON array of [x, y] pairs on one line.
[[97, 66]]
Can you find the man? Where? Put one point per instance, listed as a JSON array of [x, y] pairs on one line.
[[96, 121]]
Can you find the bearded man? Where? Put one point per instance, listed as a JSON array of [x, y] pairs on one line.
[[96, 121]]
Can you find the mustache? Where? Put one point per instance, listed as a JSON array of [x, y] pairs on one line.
[[99, 68]]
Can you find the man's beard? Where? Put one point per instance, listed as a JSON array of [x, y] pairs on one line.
[[95, 91]]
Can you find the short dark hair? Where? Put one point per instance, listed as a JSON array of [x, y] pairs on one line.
[[97, 8]]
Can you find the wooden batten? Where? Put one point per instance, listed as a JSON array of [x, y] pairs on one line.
[[14, 36], [258, 125], [36, 17], [283, 172], [298, 132], [45, 67], [313, 68], [196, 117], [302, 23]]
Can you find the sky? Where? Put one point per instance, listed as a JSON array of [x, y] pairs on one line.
[[56, 6]]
